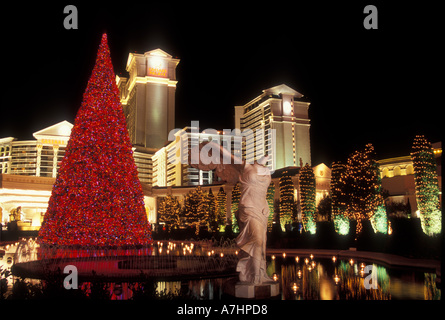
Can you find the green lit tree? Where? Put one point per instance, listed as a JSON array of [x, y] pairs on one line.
[[427, 187], [270, 202], [212, 222], [307, 198], [379, 218], [286, 199], [339, 198], [221, 199], [236, 193]]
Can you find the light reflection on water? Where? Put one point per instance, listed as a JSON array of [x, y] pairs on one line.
[[323, 279], [305, 278]]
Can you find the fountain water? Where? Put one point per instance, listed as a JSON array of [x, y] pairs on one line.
[[162, 260]]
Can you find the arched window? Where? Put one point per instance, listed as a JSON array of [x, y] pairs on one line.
[[397, 171]]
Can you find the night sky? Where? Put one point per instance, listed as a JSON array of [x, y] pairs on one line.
[[380, 86]]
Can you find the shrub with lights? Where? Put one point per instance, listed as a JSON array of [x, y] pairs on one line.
[[338, 198], [221, 198], [169, 211], [270, 203], [236, 194], [363, 188], [307, 198], [286, 199], [427, 187], [196, 208]]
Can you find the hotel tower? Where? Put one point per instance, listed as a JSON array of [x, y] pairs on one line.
[[282, 111], [148, 97]]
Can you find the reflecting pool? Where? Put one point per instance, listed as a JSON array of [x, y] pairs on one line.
[[310, 278], [300, 277], [306, 278]]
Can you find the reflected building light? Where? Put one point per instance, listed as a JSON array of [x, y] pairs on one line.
[[336, 279]]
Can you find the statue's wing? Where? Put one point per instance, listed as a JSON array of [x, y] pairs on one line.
[[227, 172], [213, 161]]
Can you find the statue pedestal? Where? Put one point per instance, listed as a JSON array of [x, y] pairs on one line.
[[261, 291]]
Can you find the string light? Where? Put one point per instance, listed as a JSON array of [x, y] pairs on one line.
[[427, 188], [338, 198], [307, 198], [236, 194], [97, 199], [221, 198], [270, 202], [195, 208], [169, 211], [362, 189], [286, 199]]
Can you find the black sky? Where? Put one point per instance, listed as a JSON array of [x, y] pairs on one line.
[[380, 86]]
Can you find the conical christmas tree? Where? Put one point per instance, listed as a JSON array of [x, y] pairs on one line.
[[97, 199]]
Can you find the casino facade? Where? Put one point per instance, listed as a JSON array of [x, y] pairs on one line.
[[278, 117]]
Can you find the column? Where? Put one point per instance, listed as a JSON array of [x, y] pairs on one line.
[[39, 158], [55, 150]]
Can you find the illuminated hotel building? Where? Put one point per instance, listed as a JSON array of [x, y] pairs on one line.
[[39, 157], [169, 163], [148, 100], [28, 168], [28, 171], [148, 97], [398, 180], [285, 111]]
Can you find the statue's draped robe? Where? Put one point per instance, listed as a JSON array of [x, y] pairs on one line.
[[252, 216], [253, 211]]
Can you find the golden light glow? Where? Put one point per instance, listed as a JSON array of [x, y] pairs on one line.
[[336, 279]]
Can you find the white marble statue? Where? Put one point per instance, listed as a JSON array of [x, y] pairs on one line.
[[253, 211]]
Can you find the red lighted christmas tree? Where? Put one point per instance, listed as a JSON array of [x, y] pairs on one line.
[[97, 199]]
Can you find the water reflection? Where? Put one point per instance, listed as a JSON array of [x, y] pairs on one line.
[[300, 278], [333, 279]]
